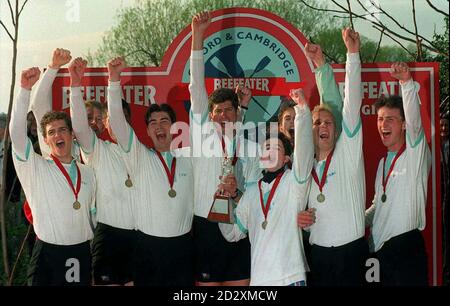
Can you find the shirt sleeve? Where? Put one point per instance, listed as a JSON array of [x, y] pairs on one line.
[[303, 156], [85, 135], [353, 97], [237, 231], [18, 125], [197, 89]]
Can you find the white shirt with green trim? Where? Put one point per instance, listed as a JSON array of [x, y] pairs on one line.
[[156, 213], [406, 191], [340, 218], [115, 201], [49, 195], [277, 254], [207, 146]]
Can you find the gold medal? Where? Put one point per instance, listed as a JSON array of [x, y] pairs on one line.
[[383, 198], [172, 193], [320, 197], [264, 224], [128, 183], [76, 205]]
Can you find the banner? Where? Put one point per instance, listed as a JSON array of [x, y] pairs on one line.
[[264, 52]]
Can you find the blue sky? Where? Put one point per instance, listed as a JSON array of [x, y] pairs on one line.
[[79, 25]]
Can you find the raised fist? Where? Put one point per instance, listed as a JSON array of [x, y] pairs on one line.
[[400, 71], [351, 40], [200, 22], [115, 68], [298, 96], [314, 52], [76, 71], [244, 95], [29, 77], [60, 57]]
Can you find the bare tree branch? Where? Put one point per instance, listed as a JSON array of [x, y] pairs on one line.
[[397, 23], [21, 8], [418, 42], [378, 46], [350, 14], [399, 43], [320, 9], [6, 29], [12, 13], [436, 9]]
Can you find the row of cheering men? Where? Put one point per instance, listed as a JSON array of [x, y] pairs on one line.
[[146, 210]]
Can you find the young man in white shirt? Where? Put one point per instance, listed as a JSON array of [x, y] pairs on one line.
[[60, 192], [397, 214], [113, 244], [337, 196], [267, 211], [163, 180], [218, 262]]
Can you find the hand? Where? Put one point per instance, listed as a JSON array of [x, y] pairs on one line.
[[298, 96], [306, 218], [115, 68], [60, 57], [29, 77], [314, 52], [200, 22], [400, 71], [244, 95], [351, 40], [228, 186], [76, 71]]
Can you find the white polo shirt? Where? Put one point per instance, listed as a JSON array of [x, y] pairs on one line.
[[340, 218], [207, 146], [277, 255], [406, 190]]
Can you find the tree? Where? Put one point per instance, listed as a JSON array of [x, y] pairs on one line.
[[144, 32], [15, 12]]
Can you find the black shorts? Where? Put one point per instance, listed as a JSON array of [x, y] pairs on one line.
[[218, 260], [60, 265], [339, 266], [112, 255], [403, 260], [164, 261]]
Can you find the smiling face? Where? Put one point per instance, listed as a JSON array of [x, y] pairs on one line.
[[158, 129], [223, 113], [324, 131], [391, 127], [58, 136], [95, 118]]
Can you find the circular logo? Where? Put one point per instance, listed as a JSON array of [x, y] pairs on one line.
[[254, 58]]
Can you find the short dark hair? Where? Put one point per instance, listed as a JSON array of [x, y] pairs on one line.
[[95, 104], [156, 108], [284, 140], [284, 106], [54, 116], [393, 101], [221, 95]]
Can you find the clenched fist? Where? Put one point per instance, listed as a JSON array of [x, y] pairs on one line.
[[401, 72], [314, 53], [76, 71], [29, 77], [60, 57], [115, 68], [351, 40]]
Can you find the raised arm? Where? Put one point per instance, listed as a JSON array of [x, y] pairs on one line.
[[326, 84], [352, 98], [18, 123], [199, 96], [411, 101], [41, 103], [303, 143], [85, 135], [117, 120]]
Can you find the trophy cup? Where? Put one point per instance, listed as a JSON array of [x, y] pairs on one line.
[[222, 206]]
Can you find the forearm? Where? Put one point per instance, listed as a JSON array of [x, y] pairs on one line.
[[353, 96], [303, 143], [80, 124], [327, 87], [117, 120], [199, 97], [18, 123], [411, 104]]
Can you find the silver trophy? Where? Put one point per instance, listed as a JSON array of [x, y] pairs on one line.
[[222, 206]]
